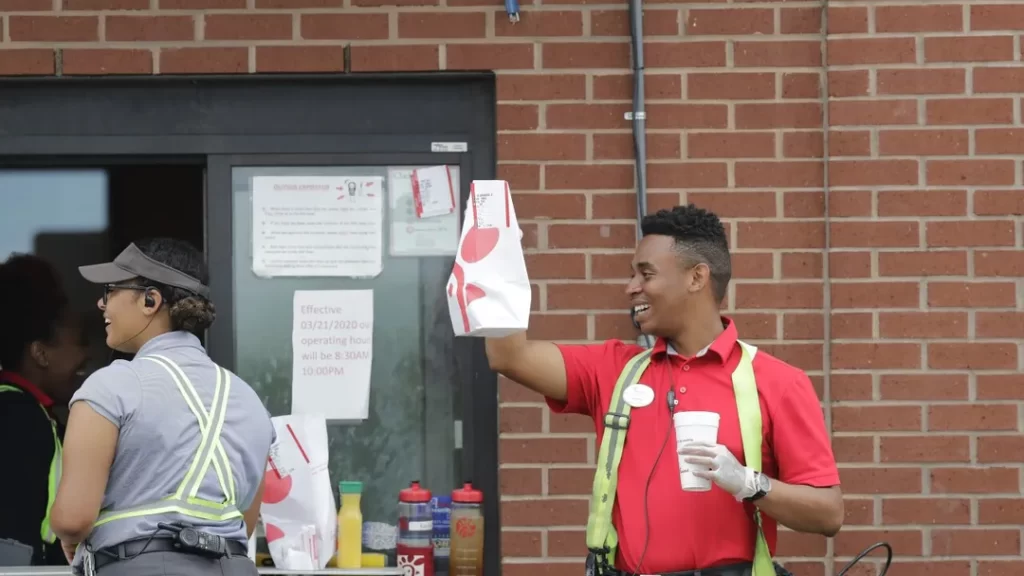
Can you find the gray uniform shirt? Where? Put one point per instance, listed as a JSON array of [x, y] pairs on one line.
[[159, 436]]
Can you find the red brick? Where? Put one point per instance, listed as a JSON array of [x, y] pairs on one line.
[[876, 418], [925, 449], [442, 25], [616, 23], [792, 53], [872, 113], [542, 146], [726, 21], [344, 26], [548, 23], [688, 54], [489, 56], [929, 81], [875, 234], [100, 61], [998, 79], [871, 51], [541, 86], [976, 234], [31, 61], [910, 203], [847, 19], [890, 19], [971, 294], [53, 28], [248, 27], [731, 145], [923, 142], [582, 55], [923, 264], [968, 49], [801, 85], [970, 111], [27, 6], [620, 86], [203, 60], [730, 86], [300, 59], [800, 20], [150, 28]]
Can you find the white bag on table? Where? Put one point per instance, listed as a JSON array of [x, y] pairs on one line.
[[298, 509], [489, 291]]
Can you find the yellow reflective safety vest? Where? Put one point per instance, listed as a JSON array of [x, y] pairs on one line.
[[210, 453], [602, 539], [56, 462]]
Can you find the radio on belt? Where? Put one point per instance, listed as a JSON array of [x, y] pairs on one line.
[[188, 539]]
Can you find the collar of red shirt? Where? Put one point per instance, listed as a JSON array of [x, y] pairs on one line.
[[23, 383], [722, 347]]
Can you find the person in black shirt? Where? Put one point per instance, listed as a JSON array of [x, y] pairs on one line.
[[42, 357]]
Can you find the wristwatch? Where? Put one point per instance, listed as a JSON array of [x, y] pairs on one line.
[[764, 486]]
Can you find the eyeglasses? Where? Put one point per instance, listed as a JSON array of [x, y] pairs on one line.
[[107, 289]]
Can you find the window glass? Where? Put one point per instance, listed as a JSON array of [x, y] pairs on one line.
[[415, 405], [41, 203], [61, 215]]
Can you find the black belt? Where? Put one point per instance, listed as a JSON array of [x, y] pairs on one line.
[[132, 548], [730, 570]]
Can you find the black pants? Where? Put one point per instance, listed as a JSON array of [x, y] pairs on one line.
[[179, 564], [731, 570]]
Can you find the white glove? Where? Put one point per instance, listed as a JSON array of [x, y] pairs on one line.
[[719, 465]]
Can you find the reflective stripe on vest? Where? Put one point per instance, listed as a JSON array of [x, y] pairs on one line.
[[210, 453], [53, 479], [602, 539]]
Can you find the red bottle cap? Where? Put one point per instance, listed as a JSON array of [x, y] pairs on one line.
[[414, 493], [467, 494]]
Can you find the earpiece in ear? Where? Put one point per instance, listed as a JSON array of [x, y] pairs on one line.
[[149, 301]]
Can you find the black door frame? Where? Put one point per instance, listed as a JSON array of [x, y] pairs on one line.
[[370, 118]]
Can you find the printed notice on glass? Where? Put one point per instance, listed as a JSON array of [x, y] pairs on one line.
[[411, 235], [332, 353], [317, 226]]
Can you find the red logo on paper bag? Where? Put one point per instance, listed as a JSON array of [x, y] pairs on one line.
[[273, 532], [477, 245], [275, 488]]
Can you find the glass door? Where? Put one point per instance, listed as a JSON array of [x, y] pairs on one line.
[[293, 238]]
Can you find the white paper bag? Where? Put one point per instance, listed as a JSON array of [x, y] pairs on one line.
[[298, 509], [489, 291]]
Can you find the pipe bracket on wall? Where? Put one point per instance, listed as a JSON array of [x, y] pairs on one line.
[[512, 8]]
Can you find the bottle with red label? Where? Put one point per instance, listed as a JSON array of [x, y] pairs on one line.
[[415, 548], [467, 532]]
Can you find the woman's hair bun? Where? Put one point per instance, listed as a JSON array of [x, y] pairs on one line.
[[193, 314]]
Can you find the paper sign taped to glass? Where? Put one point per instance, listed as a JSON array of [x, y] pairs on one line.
[[489, 290]]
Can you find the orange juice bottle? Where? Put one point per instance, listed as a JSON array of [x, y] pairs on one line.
[[350, 525]]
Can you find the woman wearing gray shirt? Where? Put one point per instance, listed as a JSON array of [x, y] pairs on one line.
[[166, 447]]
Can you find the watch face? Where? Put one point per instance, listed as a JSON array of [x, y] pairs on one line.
[[763, 483]]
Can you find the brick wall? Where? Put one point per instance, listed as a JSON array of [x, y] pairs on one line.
[[924, 174]]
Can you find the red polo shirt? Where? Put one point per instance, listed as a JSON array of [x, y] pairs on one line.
[[694, 530]]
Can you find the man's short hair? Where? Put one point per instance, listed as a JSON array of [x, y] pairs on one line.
[[699, 238]]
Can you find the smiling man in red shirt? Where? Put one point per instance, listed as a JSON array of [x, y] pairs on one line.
[[680, 273]]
